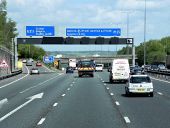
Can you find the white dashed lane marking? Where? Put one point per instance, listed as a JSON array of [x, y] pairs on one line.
[[55, 104], [127, 120], [117, 103], [68, 89], [105, 84], [63, 95], [111, 94], [159, 93], [107, 88], [41, 121]]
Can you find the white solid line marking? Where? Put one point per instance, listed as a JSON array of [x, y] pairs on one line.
[[68, 89], [2, 102], [127, 119], [111, 94], [117, 103], [63, 95], [54, 105], [159, 93], [160, 80], [41, 121], [39, 84], [107, 88], [17, 79]]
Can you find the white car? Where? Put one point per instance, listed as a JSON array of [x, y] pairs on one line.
[[34, 71], [99, 67], [24, 61], [139, 84]]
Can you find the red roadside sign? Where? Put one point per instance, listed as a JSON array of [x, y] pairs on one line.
[[4, 64]]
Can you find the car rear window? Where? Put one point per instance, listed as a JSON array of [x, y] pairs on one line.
[[140, 80]]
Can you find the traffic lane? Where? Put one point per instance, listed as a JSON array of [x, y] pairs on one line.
[[86, 105], [11, 79], [143, 111], [10, 90], [138, 107], [29, 115], [161, 88]]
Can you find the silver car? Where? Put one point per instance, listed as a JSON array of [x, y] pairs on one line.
[[34, 71]]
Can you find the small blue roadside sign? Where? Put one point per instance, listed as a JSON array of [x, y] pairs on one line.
[[48, 59], [40, 31], [93, 32]]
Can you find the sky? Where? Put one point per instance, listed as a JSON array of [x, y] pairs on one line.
[[93, 14]]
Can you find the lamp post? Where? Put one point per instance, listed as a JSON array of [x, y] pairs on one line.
[[128, 14], [144, 45]]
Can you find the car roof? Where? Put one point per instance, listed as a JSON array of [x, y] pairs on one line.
[[138, 75]]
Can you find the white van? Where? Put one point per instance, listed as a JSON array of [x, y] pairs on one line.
[[120, 70], [99, 67]]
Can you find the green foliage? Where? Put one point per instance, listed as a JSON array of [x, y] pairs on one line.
[[7, 27], [156, 51], [30, 51], [125, 50]]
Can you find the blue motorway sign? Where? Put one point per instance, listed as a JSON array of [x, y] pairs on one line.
[[93, 32], [48, 59], [40, 31]]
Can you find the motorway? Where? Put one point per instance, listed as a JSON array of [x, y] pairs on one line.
[[59, 100]]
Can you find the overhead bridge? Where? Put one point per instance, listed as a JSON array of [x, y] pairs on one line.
[[104, 59]]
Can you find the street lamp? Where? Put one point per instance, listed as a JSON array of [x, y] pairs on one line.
[[144, 45], [128, 14]]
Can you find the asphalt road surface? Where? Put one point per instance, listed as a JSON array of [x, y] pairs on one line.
[[59, 100]]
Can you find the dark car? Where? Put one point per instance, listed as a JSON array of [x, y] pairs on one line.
[[137, 71], [69, 70]]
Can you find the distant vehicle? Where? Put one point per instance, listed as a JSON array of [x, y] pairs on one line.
[[136, 71], [30, 59], [147, 67], [120, 70], [29, 63], [154, 68], [24, 61], [69, 70], [161, 67], [86, 67], [139, 84], [72, 63], [109, 69], [38, 64], [99, 67], [34, 71]]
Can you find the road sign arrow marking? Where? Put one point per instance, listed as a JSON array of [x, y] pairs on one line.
[[37, 96]]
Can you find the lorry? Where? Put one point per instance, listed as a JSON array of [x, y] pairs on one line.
[[72, 63], [86, 67], [120, 70]]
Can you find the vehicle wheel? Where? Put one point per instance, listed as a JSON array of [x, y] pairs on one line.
[[110, 80], [92, 75], [80, 75], [151, 94]]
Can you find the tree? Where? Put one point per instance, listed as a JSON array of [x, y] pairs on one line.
[[30, 51], [156, 51], [7, 27]]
